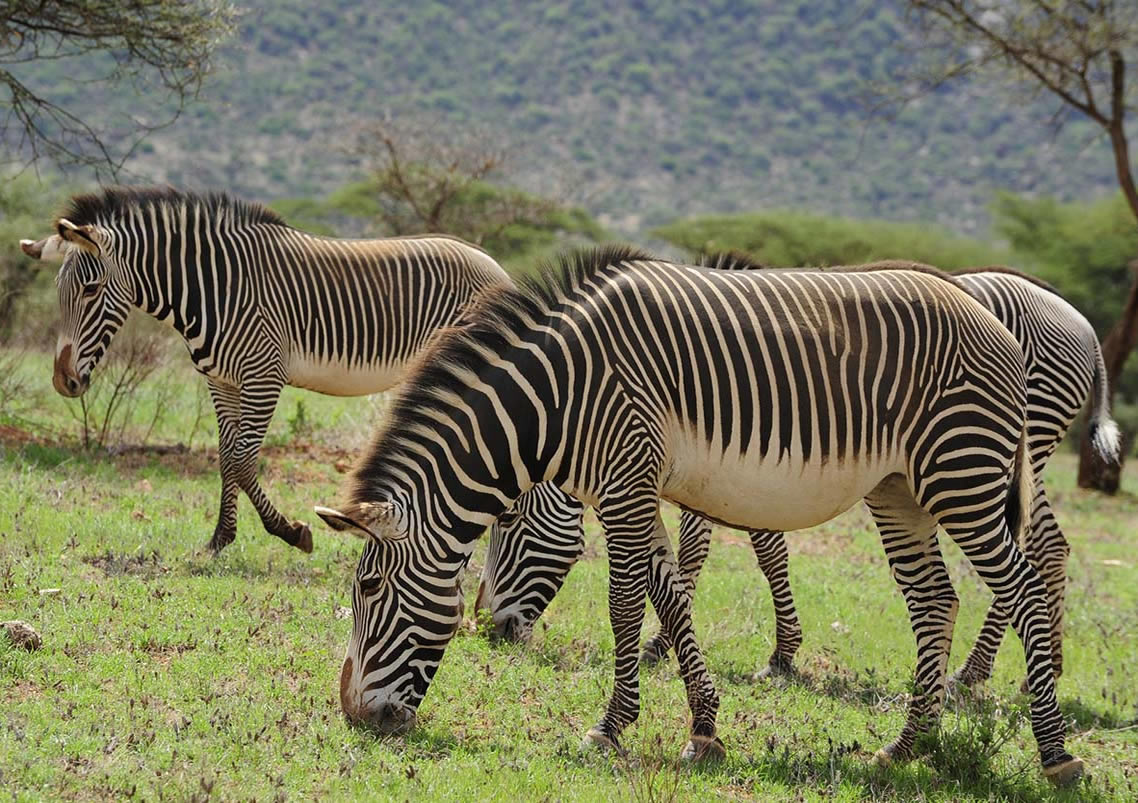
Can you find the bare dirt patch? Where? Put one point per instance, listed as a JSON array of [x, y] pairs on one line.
[[142, 564], [165, 653]]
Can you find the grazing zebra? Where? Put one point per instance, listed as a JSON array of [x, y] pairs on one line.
[[260, 305], [1063, 365], [771, 399]]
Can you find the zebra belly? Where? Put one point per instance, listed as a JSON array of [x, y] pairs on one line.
[[336, 378], [756, 493]]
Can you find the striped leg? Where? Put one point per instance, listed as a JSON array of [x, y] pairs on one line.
[[991, 548], [227, 405], [640, 560], [908, 534], [258, 402], [770, 551], [695, 541], [1048, 550]]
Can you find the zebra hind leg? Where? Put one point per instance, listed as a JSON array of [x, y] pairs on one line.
[[770, 551], [908, 534], [1047, 550], [695, 540], [1021, 592]]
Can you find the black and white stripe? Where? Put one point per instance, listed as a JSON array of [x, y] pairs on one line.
[[1063, 367], [761, 399], [260, 305]]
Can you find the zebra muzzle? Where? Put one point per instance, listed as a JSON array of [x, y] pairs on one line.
[[64, 378]]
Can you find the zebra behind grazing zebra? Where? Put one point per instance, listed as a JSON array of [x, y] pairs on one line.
[[764, 399], [1063, 366], [259, 304]]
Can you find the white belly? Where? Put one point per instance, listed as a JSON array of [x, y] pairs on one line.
[[761, 493], [339, 379]]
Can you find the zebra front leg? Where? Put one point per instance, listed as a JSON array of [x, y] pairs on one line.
[[258, 402], [774, 562], [227, 406], [695, 541], [670, 593], [908, 534]]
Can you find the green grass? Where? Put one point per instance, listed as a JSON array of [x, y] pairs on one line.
[[172, 675]]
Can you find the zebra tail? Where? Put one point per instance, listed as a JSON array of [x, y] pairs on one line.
[[1021, 494], [1103, 432]]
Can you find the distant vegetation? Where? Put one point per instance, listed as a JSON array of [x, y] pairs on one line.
[[353, 210], [1083, 249], [649, 110], [793, 239]]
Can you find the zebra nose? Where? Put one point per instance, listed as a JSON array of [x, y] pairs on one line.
[[388, 719], [64, 379]]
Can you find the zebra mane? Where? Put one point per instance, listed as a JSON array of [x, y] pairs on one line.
[[738, 260], [1006, 271], [731, 260], [487, 328], [111, 203]]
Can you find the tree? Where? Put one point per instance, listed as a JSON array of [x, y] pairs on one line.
[[118, 42], [424, 176], [1077, 53]]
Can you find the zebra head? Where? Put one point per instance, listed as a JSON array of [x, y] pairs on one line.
[[532, 547], [404, 614], [95, 295]]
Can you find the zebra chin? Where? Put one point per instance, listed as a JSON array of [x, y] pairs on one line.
[[385, 718]]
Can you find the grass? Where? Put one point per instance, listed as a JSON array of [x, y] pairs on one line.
[[166, 674]]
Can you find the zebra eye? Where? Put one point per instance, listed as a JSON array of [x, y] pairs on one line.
[[370, 585], [507, 519], [89, 290]]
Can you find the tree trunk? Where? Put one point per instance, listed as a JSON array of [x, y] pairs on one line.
[[1094, 472]]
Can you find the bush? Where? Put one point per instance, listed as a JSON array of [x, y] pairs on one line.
[[26, 212]]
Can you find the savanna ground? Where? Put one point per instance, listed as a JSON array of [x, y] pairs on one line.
[[168, 674]]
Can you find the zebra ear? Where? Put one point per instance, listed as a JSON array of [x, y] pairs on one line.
[[84, 236], [376, 520], [49, 249]]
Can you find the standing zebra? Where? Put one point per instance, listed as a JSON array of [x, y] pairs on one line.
[[260, 305], [534, 545], [764, 399]]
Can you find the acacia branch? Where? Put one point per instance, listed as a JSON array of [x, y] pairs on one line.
[[172, 39]]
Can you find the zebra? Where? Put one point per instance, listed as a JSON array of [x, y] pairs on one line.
[[533, 546], [771, 399], [259, 304]]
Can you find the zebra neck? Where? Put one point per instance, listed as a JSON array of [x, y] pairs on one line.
[[194, 275]]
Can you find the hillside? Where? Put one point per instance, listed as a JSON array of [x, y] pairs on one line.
[[646, 111]]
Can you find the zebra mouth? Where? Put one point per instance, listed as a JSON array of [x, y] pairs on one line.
[[513, 629], [68, 385], [64, 379], [393, 719]]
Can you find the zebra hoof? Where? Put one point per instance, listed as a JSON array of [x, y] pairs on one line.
[[1066, 772], [303, 540], [890, 755], [649, 656], [704, 750], [963, 679], [778, 667], [218, 542], [595, 739]]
